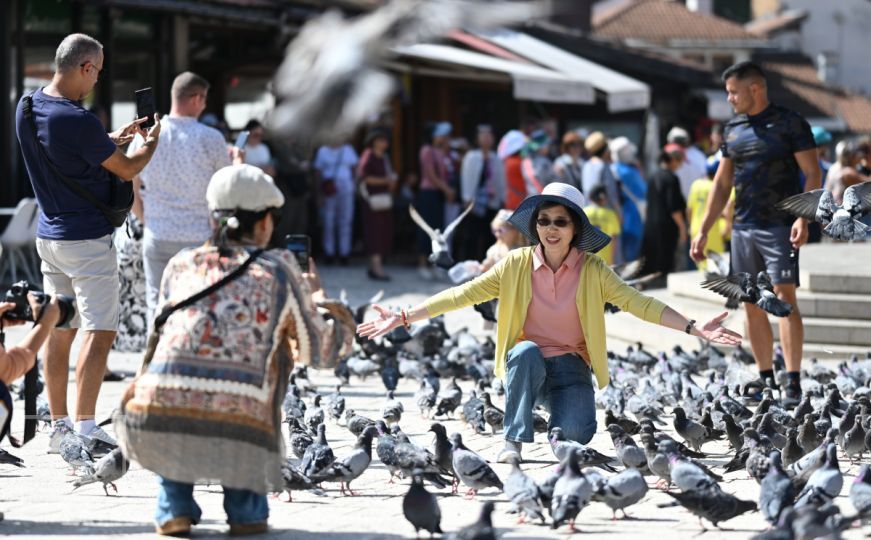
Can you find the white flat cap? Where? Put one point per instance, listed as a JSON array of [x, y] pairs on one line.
[[243, 187]]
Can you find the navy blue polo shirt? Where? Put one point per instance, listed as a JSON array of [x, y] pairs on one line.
[[77, 144], [762, 148]]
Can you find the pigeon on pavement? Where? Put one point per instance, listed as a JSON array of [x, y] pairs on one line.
[[742, 287], [107, 470], [860, 491], [73, 450], [471, 468], [825, 483], [522, 491], [314, 415], [318, 456], [692, 432], [627, 449], [482, 529], [621, 491], [571, 493], [351, 466], [10, 459], [712, 504], [776, 492], [421, 508], [586, 456]]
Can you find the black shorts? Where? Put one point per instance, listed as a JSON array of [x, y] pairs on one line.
[[754, 250]]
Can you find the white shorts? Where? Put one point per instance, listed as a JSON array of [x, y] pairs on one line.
[[87, 270]]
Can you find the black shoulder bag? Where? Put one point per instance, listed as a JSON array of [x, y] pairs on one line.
[[168, 310], [120, 191]]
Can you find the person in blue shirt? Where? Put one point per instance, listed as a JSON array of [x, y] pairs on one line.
[[74, 239], [765, 147], [634, 195]]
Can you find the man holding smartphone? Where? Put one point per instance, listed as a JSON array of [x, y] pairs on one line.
[[74, 239], [171, 191]]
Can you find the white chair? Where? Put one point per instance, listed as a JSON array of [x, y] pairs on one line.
[[18, 242]]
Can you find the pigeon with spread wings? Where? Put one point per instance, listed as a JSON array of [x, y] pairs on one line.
[[840, 221], [743, 288], [440, 255]]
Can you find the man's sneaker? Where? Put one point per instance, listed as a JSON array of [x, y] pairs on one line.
[[791, 398], [57, 434]]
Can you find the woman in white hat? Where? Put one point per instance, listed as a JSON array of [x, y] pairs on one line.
[[206, 405], [550, 335]]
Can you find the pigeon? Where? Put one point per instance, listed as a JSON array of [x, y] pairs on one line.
[[473, 413], [351, 466], [107, 470], [742, 287], [296, 481], [421, 508], [449, 399], [294, 406], [692, 432], [733, 432], [657, 462], [791, 451], [392, 410], [362, 367], [712, 504], [686, 474], [300, 438], [10, 459], [776, 491], [839, 221], [522, 491], [443, 451], [390, 374], [825, 483], [471, 469], [332, 78], [628, 452], [493, 415], [586, 456], [318, 456], [860, 491], [385, 449], [336, 404], [571, 493], [479, 530], [315, 415], [854, 441], [357, 423], [621, 491], [425, 397], [73, 450], [630, 426], [411, 457], [440, 255]]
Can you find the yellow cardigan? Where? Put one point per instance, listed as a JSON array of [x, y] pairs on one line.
[[511, 281]]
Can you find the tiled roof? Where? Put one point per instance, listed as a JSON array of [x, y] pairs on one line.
[[665, 21], [765, 26], [793, 82]]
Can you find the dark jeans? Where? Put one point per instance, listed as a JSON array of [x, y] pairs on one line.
[[564, 384]]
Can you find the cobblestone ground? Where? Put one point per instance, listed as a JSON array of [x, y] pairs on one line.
[[39, 501]]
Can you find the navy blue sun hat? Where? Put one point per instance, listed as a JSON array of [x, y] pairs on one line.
[[591, 238]]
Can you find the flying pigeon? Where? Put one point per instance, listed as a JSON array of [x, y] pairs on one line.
[[840, 222], [440, 255], [742, 287]]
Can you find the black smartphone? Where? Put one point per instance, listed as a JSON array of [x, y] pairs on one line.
[[301, 246], [145, 106], [242, 139]]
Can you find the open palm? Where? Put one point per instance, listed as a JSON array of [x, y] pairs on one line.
[[715, 332], [385, 322]]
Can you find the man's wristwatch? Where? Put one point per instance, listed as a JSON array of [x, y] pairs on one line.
[[690, 325]]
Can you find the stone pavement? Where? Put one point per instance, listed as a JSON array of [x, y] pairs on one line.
[[38, 500]]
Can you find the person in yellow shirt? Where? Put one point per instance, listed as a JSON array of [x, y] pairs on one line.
[[697, 201], [606, 220]]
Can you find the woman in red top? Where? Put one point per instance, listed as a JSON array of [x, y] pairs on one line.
[[376, 174]]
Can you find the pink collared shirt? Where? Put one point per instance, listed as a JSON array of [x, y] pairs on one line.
[[552, 319]]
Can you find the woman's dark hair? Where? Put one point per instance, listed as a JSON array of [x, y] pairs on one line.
[[664, 158], [252, 124], [245, 221], [576, 221]]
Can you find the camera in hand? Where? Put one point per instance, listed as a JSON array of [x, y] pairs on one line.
[[22, 311]]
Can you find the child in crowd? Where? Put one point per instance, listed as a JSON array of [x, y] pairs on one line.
[[605, 220], [697, 201], [507, 238]]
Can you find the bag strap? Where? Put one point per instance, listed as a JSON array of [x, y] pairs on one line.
[[168, 310], [27, 111]]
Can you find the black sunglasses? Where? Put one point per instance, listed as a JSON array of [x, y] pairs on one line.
[[558, 222]]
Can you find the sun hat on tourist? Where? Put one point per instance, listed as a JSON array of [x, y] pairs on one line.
[[595, 141], [511, 143], [623, 150], [243, 187], [590, 239]]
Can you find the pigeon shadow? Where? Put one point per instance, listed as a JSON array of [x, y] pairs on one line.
[[327, 535]]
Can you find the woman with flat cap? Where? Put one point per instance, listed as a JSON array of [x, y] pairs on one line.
[[550, 335]]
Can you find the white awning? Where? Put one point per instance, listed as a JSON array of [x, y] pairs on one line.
[[622, 93], [529, 81]]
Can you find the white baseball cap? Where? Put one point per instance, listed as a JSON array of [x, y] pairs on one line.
[[243, 187]]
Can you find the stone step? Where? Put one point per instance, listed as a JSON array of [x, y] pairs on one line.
[[824, 337], [810, 303]]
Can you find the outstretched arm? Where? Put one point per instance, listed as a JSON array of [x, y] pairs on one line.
[[712, 330]]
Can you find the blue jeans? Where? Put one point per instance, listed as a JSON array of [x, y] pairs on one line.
[[564, 384], [176, 499]]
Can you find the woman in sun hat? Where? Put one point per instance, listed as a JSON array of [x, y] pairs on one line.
[[550, 335], [206, 406]]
